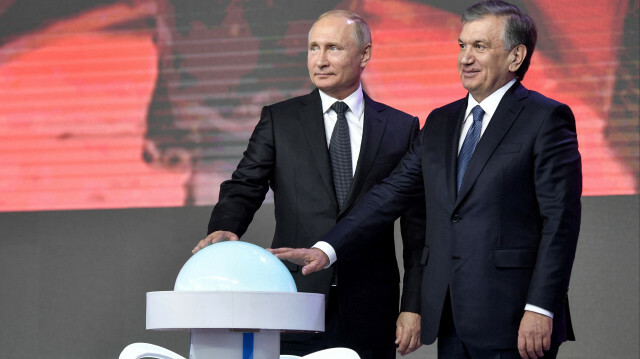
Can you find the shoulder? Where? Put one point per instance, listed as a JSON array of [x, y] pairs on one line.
[[538, 100], [454, 106], [388, 111], [296, 102], [539, 108], [448, 110], [533, 100]]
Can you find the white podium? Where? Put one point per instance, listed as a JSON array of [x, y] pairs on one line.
[[235, 324], [235, 298]]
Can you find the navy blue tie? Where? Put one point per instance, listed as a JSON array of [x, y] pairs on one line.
[[340, 152], [470, 142]]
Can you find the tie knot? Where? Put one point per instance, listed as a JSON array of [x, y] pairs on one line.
[[478, 113], [339, 107]]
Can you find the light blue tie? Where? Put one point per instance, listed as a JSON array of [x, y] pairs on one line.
[[340, 153], [469, 144]]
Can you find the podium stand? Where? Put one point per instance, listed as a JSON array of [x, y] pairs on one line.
[[235, 298], [235, 325]]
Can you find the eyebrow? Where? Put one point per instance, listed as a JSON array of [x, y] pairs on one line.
[[328, 44], [486, 41]]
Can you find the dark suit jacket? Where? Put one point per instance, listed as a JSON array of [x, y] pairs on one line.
[[509, 237], [288, 152]]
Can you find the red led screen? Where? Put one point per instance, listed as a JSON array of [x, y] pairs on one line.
[[150, 103]]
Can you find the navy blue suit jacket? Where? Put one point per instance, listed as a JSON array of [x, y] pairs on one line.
[[508, 238]]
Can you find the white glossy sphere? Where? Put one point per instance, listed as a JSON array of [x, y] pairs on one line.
[[234, 266]]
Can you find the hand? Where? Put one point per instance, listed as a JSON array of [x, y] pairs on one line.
[[408, 332], [215, 237], [534, 335], [312, 259]]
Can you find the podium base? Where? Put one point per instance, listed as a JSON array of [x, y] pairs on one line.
[[234, 344]]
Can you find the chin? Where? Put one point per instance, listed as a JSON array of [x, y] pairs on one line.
[[468, 87], [324, 86]]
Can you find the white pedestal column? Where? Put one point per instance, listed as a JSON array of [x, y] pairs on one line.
[[220, 343]]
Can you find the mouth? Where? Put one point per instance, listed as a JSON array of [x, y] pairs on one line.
[[469, 73]]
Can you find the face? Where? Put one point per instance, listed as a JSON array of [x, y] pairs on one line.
[[334, 61], [483, 64]]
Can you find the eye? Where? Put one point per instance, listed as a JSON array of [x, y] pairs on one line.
[[333, 48], [313, 48], [480, 47], [462, 46]]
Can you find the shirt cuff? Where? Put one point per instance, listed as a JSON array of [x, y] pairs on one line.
[[533, 308], [328, 250]]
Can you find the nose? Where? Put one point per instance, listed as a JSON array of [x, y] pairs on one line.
[[466, 56], [322, 60]]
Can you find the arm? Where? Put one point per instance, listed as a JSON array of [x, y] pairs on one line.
[[242, 195], [381, 205], [558, 184], [412, 229]]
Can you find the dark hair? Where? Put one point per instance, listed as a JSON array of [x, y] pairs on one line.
[[519, 28], [361, 32]]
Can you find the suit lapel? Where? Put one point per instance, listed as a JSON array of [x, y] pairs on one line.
[[452, 133], [372, 134], [312, 122], [507, 112]]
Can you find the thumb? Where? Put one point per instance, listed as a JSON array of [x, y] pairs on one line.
[[307, 269], [310, 268]]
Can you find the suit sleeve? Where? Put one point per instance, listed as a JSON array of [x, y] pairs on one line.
[[242, 195], [558, 185], [412, 229], [383, 204]]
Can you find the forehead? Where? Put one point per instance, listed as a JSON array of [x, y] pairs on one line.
[[332, 29], [488, 28]]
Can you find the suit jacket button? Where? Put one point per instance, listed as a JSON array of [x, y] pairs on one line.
[[455, 218]]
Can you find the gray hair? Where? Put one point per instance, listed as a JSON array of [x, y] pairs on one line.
[[519, 28], [361, 32]]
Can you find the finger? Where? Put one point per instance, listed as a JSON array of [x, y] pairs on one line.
[[231, 237], [415, 343], [538, 347], [203, 243], [403, 347], [522, 347], [289, 255], [401, 340], [398, 334], [221, 236], [310, 268], [531, 348], [296, 256], [278, 250], [546, 342], [407, 340]]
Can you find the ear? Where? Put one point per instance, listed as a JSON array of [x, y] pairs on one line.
[[516, 57], [366, 55]]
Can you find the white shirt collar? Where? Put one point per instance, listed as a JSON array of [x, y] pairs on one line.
[[489, 104], [355, 101]]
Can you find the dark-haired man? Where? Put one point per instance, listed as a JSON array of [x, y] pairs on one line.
[[501, 175], [320, 153]]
